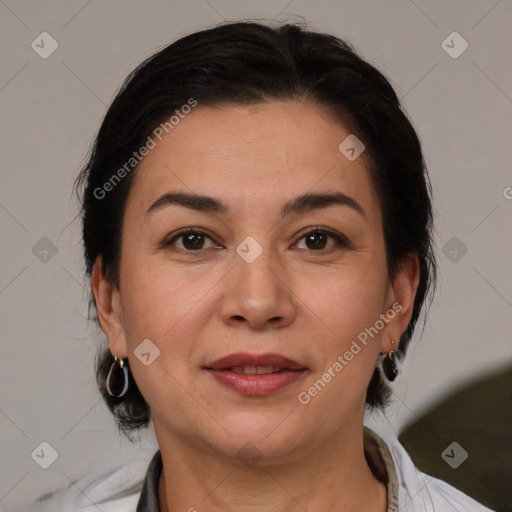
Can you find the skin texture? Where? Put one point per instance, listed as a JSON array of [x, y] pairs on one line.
[[304, 303]]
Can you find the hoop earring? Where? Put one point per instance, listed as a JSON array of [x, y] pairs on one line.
[[389, 366], [117, 379]]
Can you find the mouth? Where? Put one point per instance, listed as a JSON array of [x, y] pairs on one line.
[[255, 370], [253, 374]]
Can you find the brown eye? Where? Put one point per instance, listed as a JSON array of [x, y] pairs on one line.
[[319, 240], [316, 241], [190, 241], [193, 241]]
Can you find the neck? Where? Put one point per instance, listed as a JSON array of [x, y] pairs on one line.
[[335, 477]]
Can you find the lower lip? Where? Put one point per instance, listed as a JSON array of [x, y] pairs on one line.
[[256, 385]]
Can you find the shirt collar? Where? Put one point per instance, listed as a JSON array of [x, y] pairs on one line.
[[381, 463], [148, 501]]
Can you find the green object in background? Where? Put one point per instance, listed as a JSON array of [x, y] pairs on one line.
[[466, 440]]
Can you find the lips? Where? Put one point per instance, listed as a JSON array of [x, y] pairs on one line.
[[256, 375], [244, 360]]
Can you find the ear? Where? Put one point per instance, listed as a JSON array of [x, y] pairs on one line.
[[400, 302], [108, 304]]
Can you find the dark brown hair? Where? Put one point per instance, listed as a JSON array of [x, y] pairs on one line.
[[246, 63]]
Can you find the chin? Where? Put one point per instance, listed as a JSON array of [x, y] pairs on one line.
[[255, 436]]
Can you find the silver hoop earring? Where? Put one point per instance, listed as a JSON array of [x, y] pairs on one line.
[[117, 379]]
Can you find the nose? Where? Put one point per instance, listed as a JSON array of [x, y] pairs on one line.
[[258, 294]]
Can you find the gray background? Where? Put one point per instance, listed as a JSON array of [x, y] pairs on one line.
[[51, 109]]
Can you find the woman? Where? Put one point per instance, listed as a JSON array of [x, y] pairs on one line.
[[257, 226]]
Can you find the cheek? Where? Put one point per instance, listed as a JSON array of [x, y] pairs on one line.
[[350, 298], [346, 354], [158, 299], [171, 313]]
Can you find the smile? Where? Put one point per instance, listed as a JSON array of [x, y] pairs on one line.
[[255, 375]]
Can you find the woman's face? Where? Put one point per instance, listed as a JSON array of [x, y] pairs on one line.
[[283, 267]]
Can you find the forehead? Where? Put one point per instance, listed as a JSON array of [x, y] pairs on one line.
[[262, 153]]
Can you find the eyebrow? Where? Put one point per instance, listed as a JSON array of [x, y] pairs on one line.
[[309, 202], [191, 201], [301, 204]]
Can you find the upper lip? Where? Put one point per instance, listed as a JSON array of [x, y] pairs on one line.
[[246, 359]]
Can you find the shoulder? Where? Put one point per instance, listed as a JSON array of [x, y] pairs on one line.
[[445, 497], [113, 488], [418, 491]]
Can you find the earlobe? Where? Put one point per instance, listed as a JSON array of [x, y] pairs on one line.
[[108, 305]]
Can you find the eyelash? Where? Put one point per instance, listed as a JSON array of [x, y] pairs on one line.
[[341, 240]]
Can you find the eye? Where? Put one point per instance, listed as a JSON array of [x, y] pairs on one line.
[[190, 240], [321, 239]]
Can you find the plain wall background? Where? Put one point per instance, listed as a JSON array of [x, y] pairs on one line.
[[51, 110]]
